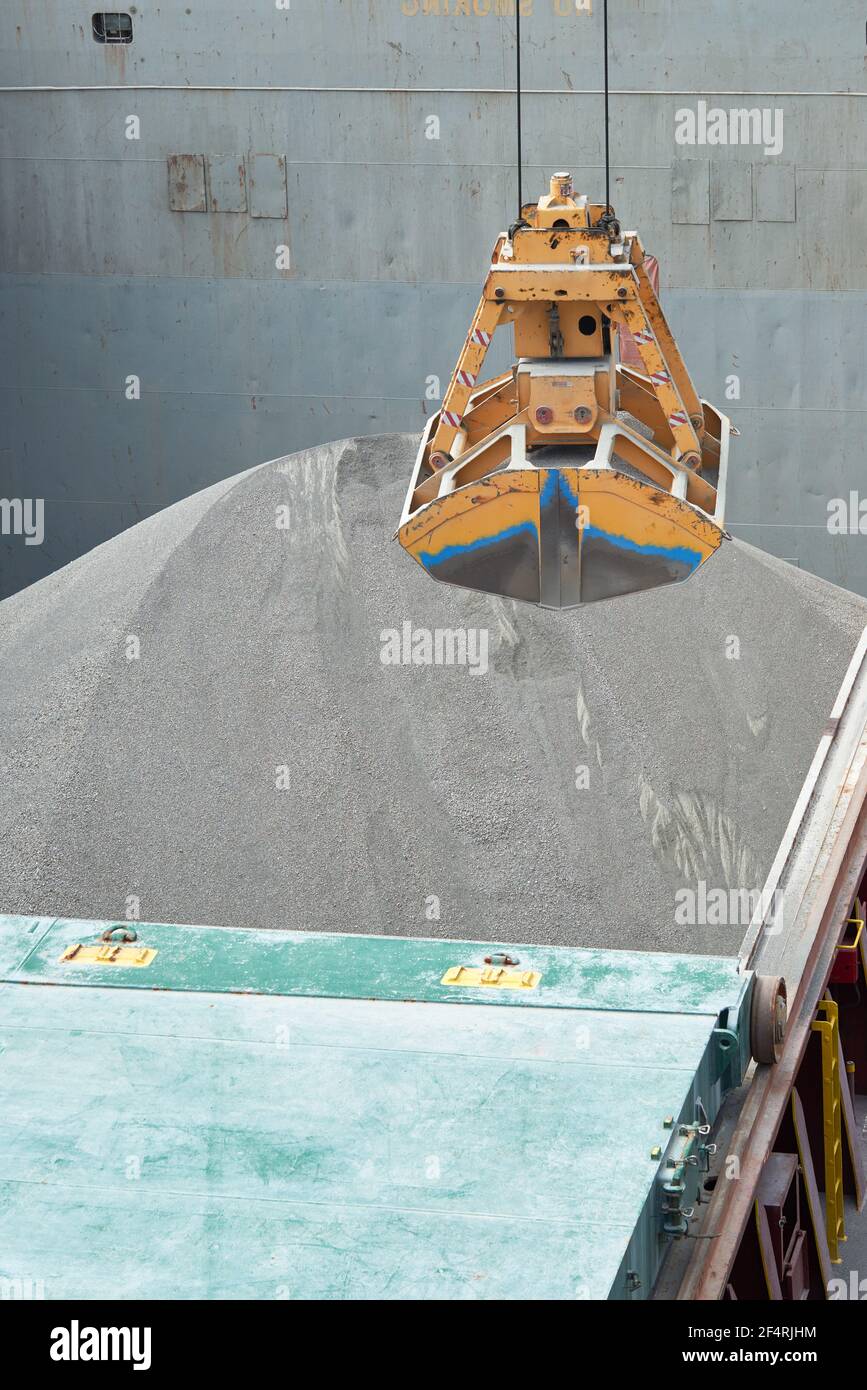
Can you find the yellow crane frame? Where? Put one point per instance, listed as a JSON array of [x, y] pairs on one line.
[[570, 478]]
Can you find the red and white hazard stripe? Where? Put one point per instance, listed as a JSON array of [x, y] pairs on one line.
[[450, 418], [677, 417], [642, 336], [660, 378], [466, 378], [479, 335]]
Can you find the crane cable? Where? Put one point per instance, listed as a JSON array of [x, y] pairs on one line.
[[605, 83], [518, 95], [605, 89]]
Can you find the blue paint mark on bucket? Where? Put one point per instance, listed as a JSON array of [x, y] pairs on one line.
[[566, 490], [556, 483], [549, 489], [450, 552], [680, 553]]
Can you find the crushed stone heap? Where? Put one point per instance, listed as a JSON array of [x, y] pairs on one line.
[[215, 718]]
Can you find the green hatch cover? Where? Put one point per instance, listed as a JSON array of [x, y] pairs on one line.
[[285, 1115]]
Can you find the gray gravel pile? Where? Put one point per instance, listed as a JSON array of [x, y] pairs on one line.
[[197, 716]]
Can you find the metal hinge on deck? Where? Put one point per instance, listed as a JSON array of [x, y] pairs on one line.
[[689, 1149]]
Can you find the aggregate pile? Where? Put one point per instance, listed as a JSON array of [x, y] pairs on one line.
[[216, 718]]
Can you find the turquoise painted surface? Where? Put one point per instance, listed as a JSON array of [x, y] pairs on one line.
[[194, 1144], [18, 936], [345, 966]]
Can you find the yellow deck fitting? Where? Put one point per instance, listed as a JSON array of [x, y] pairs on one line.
[[496, 976], [108, 953]]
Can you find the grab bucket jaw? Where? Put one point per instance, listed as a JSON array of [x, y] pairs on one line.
[[573, 477], [560, 534]]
